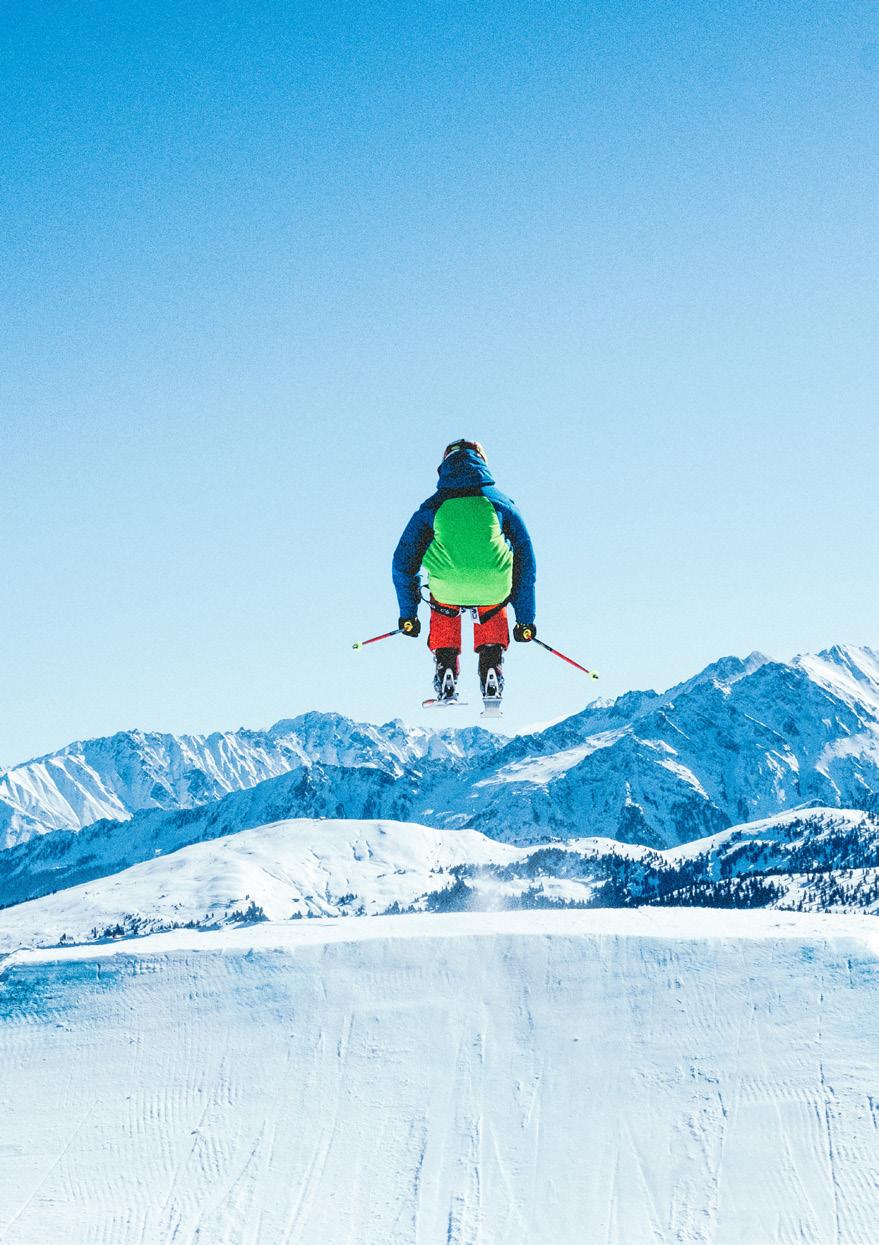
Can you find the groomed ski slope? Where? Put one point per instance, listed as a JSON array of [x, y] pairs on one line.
[[480, 1079]]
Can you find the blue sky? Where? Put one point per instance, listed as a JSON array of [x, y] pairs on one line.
[[260, 263]]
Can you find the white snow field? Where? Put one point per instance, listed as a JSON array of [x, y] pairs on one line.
[[324, 868], [290, 868], [527, 1078]]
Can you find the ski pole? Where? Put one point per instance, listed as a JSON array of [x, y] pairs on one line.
[[387, 634], [569, 660]]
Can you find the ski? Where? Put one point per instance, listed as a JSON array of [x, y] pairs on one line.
[[492, 686], [444, 702]]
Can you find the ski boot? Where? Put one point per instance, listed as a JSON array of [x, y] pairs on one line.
[[445, 680], [491, 679]]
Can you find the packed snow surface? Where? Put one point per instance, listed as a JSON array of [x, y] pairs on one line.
[[530, 1077]]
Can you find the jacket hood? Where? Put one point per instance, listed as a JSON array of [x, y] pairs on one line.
[[462, 470]]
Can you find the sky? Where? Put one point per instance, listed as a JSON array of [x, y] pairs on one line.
[[259, 264]]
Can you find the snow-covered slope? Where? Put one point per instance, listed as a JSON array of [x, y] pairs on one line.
[[820, 860], [65, 858], [823, 860], [114, 777], [530, 1078], [283, 871]]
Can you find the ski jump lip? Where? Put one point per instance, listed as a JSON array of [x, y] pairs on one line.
[[669, 924]]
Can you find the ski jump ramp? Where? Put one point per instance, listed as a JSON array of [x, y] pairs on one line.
[[528, 1078]]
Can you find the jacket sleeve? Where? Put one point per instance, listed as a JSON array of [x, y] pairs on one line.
[[524, 566], [408, 557]]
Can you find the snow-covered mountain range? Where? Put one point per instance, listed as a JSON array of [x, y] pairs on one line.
[[441, 1062], [133, 771], [743, 742], [744, 739]]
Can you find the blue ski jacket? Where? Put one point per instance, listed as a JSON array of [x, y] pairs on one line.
[[471, 540]]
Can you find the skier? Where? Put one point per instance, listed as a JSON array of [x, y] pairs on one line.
[[476, 550]]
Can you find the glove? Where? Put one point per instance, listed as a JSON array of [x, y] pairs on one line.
[[523, 632], [410, 627]]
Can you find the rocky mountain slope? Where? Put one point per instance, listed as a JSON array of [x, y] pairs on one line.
[[134, 771], [742, 740]]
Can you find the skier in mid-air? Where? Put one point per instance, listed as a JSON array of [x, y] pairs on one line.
[[477, 553]]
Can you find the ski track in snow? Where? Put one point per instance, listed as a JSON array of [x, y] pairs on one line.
[[459, 1080]]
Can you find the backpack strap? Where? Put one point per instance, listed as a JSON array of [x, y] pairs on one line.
[[454, 611]]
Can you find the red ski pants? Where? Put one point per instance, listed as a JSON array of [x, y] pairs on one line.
[[445, 630]]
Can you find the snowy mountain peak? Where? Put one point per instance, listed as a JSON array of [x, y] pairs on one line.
[[745, 738], [846, 670], [721, 674], [861, 663]]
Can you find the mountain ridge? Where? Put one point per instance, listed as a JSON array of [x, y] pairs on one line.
[[118, 776], [744, 738]]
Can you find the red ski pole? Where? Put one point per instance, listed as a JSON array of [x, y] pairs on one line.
[[569, 660], [385, 636]]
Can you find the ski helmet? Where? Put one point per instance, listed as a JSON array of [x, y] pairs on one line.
[[454, 446]]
